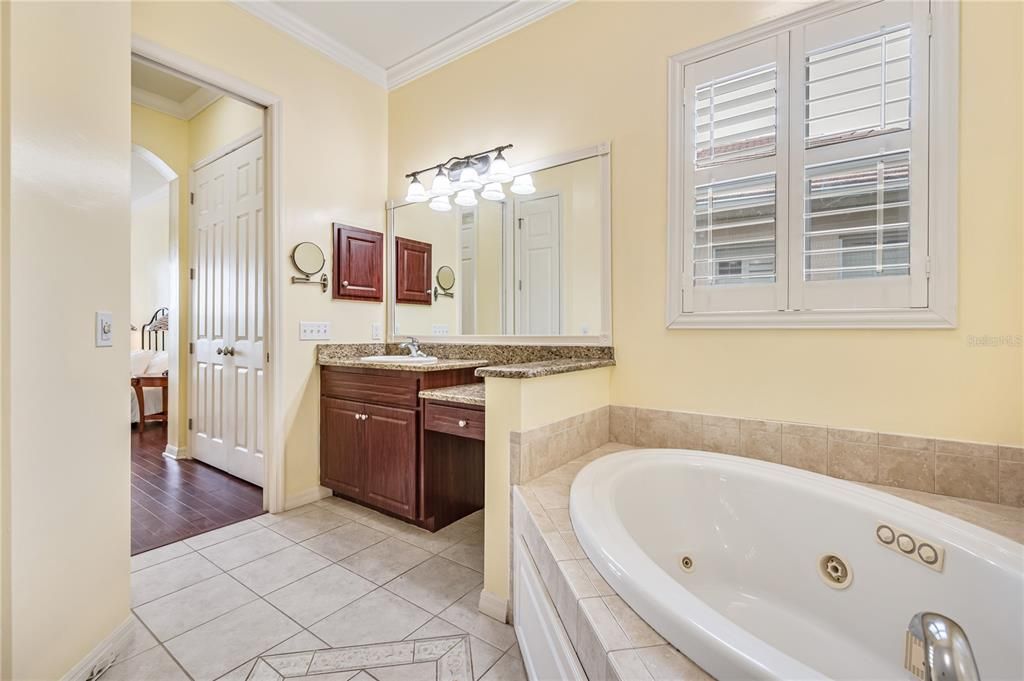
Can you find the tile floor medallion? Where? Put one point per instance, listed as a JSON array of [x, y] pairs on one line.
[[433, 659], [331, 591]]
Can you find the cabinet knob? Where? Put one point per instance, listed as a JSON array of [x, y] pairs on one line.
[[463, 423], [344, 284]]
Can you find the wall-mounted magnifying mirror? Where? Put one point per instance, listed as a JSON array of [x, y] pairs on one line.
[[445, 279], [310, 260]]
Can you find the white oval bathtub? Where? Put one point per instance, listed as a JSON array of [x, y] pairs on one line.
[[754, 604]]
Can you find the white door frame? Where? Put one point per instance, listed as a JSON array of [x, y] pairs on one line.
[[174, 449], [190, 69]]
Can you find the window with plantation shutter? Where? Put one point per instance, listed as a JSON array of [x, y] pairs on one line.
[[802, 184]]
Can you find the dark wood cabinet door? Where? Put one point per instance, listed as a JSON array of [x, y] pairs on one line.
[[391, 473], [358, 263], [343, 447], [412, 271]]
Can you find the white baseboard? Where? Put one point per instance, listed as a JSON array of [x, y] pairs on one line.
[[493, 606], [308, 497], [103, 654], [178, 453]]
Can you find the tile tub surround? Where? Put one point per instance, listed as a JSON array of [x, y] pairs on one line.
[[966, 470], [329, 575], [535, 452], [611, 640], [469, 393]]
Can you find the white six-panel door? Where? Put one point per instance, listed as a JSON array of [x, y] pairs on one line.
[[228, 324], [540, 266]]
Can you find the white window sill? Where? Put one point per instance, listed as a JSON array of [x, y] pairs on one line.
[[815, 319]]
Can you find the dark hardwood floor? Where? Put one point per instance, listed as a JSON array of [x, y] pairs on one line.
[[173, 500]]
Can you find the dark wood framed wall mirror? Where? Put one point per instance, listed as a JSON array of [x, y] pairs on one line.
[[531, 266]]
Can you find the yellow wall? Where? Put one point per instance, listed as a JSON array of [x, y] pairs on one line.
[[150, 259], [66, 501], [333, 150], [221, 123], [515, 405], [597, 71], [167, 138]]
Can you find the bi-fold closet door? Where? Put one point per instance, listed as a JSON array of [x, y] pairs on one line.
[[228, 322]]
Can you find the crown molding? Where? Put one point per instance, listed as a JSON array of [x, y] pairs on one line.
[[184, 111], [285, 21], [470, 38]]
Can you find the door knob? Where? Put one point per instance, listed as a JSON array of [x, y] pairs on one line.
[[229, 351], [344, 284], [220, 351], [463, 423]]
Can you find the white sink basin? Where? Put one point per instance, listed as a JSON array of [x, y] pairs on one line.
[[399, 359]]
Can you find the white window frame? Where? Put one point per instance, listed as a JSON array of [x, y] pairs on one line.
[[943, 166]]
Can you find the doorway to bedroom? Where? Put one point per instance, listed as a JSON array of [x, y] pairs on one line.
[[197, 307]]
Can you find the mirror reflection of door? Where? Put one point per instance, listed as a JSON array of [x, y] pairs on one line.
[[467, 268], [538, 289]]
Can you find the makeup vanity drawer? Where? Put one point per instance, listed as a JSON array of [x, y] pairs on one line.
[[454, 420]]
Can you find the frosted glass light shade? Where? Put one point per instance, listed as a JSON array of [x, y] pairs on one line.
[[468, 179], [523, 185], [440, 204], [441, 186], [492, 192], [499, 172], [466, 197], [417, 192]]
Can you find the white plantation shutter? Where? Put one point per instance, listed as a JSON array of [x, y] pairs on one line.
[[731, 250], [860, 163]]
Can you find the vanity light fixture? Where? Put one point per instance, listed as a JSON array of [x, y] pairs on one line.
[[466, 198], [492, 192], [523, 185], [417, 192], [440, 204], [465, 175]]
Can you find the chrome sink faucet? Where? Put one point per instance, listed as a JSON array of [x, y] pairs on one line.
[[413, 346], [938, 649]]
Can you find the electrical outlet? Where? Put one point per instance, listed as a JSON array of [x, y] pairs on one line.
[[376, 332], [439, 330], [318, 331]]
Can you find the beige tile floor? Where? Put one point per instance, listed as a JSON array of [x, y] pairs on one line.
[[244, 601]]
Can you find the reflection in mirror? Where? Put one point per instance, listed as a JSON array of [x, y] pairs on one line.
[[308, 258], [529, 264]]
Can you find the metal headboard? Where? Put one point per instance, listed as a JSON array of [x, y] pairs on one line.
[[154, 332]]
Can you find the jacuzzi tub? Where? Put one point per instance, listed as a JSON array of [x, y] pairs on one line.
[[755, 603]]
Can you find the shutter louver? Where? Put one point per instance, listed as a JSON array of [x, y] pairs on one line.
[[735, 117], [734, 232]]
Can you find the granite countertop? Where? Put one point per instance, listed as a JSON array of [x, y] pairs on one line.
[[546, 368], [470, 393], [439, 365]]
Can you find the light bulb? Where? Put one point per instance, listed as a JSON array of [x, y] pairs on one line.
[[492, 192], [468, 179], [522, 185], [466, 197], [499, 172], [440, 204], [417, 193], [441, 186]]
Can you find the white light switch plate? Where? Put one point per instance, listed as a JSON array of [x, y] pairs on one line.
[[439, 330], [104, 329], [317, 331], [376, 332]]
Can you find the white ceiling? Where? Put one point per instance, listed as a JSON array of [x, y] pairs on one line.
[[387, 33], [158, 89], [394, 41]]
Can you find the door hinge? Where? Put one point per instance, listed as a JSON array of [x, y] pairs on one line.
[[928, 267], [268, 358], [191, 348], [520, 223], [191, 198], [930, 23], [520, 284], [190, 424], [192, 273]]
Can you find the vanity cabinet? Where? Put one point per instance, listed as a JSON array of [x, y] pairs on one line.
[[413, 271], [374, 449], [358, 263]]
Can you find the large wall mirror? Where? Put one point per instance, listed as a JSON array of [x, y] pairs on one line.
[[527, 265]]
